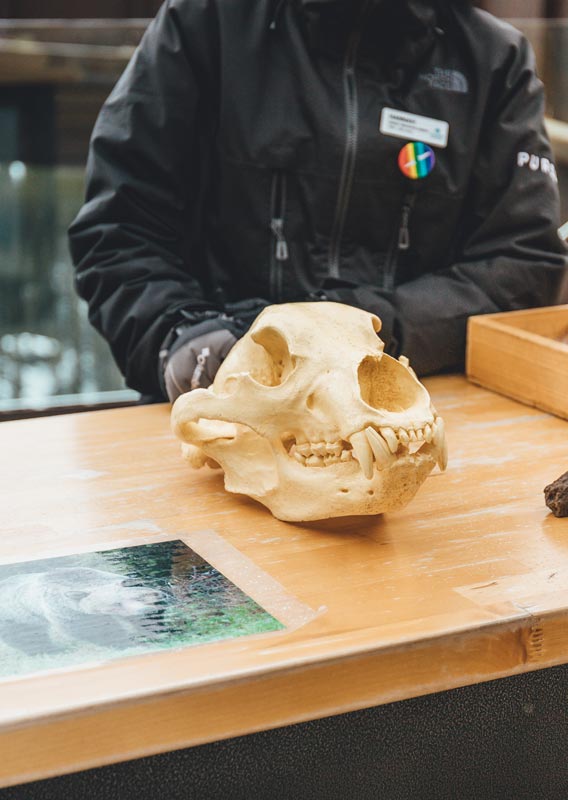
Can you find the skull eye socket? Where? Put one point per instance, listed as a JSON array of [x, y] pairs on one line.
[[386, 385], [274, 363]]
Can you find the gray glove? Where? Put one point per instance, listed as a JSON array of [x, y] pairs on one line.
[[193, 363]]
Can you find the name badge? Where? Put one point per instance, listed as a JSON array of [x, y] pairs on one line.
[[404, 125]]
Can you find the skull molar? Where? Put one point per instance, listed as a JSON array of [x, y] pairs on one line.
[[310, 417]]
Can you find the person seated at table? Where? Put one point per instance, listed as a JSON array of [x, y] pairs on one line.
[[388, 156]]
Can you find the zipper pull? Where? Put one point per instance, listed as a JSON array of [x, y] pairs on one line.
[[277, 226], [404, 231], [276, 14]]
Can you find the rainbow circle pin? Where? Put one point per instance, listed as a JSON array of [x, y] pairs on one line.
[[416, 160]]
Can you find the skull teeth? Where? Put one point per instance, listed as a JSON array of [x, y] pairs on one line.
[[410, 437], [381, 451], [440, 443], [390, 438], [370, 449], [363, 453], [321, 454], [375, 448]]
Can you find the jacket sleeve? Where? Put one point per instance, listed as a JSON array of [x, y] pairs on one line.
[[135, 242], [510, 256]]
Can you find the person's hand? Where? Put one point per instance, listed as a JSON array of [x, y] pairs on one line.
[[195, 349], [193, 362]]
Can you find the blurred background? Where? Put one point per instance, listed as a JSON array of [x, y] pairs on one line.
[[56, 69]]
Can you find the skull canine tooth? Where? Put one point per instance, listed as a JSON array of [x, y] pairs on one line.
[[391, 438], [363, 453], [440, 443], [439, 429], [443, 457], [380, 448]]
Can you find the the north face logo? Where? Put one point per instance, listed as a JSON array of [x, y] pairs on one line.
[[450, 80]]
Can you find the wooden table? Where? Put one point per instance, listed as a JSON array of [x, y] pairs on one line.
[[468, 584]]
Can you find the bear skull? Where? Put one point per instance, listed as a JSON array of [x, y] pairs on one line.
[[310, 417]]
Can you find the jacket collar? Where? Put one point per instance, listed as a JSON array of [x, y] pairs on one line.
[[414, 28], [422, 11]]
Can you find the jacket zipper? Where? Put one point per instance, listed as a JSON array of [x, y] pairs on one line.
[[351, 144], [401, 240], [279, 251]]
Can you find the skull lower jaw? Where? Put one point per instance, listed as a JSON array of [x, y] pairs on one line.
[[342, 489]]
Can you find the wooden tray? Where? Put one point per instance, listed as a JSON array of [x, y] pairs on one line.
[[522, 354]]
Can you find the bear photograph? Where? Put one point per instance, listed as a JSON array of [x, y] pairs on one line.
[[61, 612]]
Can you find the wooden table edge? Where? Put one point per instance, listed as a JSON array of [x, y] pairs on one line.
[[177, 719]]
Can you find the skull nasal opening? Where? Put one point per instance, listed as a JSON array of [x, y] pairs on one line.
[[386, 384]]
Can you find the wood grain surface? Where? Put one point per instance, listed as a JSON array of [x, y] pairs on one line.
[[469, 583]]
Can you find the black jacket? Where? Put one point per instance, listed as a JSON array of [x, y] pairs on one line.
[[240, 156]]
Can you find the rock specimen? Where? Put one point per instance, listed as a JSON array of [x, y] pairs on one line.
[[556, 496]]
